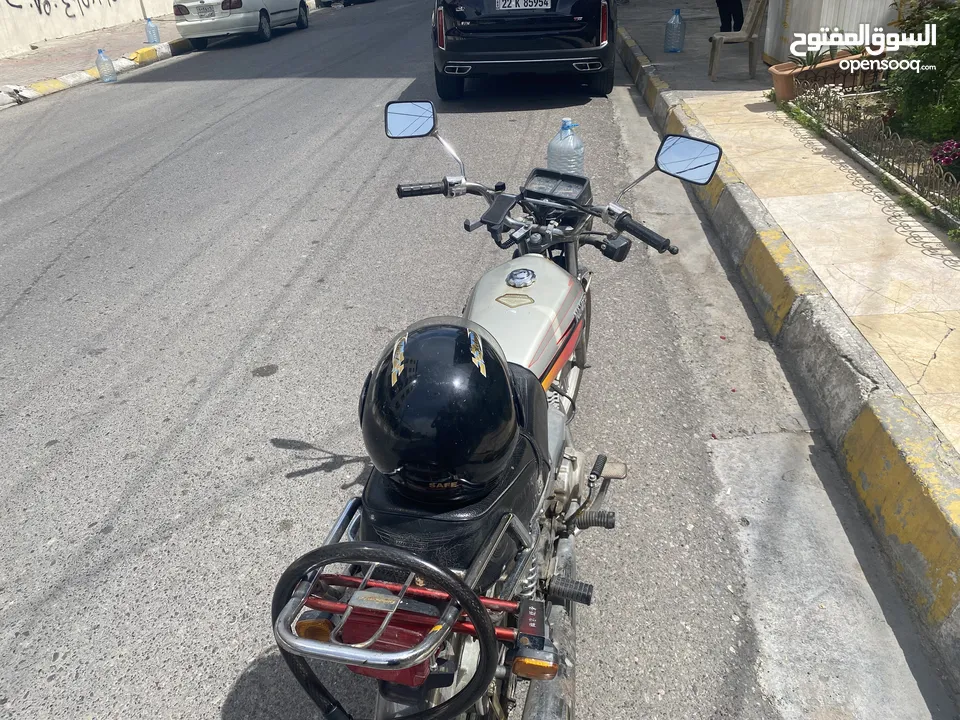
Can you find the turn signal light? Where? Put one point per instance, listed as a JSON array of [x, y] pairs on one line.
[[181, 10], [314, 628], [534, 668]]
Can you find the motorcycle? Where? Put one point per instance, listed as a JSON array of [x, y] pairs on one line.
[[448, 608]]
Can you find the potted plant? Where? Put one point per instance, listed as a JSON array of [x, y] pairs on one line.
[[785, 75]]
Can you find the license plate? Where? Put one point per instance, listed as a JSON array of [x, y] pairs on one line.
[[206, 11], [523, 4]]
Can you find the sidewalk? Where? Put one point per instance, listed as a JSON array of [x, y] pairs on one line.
[[873, 256], [54, 58], [862, 300]]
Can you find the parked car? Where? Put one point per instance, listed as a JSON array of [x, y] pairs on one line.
[[198, 20], [495, 37]]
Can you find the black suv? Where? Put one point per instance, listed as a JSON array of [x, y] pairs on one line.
[[496, 37]]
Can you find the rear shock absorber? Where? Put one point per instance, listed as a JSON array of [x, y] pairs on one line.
[[528, 583]]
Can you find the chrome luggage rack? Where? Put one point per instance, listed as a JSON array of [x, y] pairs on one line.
[[362, 654]]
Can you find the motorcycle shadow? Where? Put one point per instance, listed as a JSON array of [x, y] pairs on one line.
[[267, 691]]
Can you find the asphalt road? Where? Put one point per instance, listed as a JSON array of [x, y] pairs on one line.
[[199, 265]]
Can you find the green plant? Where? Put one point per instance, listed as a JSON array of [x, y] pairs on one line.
[[915, 205], [928, 101], [912, 15], [810, 59], [771, 95], [802, 118], [954, 234], [857, 49]]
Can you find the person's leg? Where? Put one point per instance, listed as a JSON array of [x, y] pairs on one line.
[[736, 9], [725, 16]]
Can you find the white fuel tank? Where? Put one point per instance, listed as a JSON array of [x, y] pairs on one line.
[[533, 308]]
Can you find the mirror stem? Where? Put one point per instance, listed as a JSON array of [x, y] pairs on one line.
[[453, 153], [630, 187]]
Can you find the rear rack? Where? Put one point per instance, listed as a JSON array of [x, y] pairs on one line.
[[362, 654]]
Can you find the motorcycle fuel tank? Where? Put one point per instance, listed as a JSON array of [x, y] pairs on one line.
[[534, 309]]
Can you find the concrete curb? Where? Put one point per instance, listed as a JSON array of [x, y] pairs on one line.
[[905, 474], [137, 59], [17, 95]]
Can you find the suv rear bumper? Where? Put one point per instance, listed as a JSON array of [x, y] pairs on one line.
[[582, 61]]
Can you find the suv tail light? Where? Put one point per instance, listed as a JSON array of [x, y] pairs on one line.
[[181, 10], [441, 30], [231, 4], [604, 22]]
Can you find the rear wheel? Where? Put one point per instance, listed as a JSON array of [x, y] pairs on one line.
[[602, 82], [449, 87], [264, 32], [303, 18], [198, 43]]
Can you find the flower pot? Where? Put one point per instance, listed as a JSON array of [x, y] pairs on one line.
[[785, 75]]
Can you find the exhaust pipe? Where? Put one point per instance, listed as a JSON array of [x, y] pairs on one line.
[[590, 66], [554, 699], [457, 69]]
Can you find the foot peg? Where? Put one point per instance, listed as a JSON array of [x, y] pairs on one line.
[[597, 518], [563, 588]]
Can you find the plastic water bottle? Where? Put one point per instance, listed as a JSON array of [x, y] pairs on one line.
[[153, 33], [108, 73], [675, 33], [565, 151]]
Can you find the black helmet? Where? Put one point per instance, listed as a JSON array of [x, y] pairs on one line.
[[437, 412]]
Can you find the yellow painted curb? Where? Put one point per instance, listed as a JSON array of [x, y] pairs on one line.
[[180, 47], [776, 275], [710, 193], [46, 87], [909, 498], [908, 484], [93, 72], [144, 56]]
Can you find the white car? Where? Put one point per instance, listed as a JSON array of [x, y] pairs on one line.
[[199, 20]]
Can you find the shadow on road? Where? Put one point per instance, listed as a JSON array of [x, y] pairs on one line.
[[326, 461], [266, 690]]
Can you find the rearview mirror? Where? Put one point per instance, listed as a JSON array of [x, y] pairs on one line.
[[689, 159], [410, 119]]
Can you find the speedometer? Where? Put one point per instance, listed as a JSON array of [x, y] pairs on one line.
[[548, 184]]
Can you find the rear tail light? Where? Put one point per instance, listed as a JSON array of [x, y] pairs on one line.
[[399, 635], [181, 10], [604, 22], [441, 30], [231, 4]]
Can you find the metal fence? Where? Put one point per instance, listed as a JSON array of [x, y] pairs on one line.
[[853, 108]]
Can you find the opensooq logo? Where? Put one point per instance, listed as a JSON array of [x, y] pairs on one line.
[[875, 43]]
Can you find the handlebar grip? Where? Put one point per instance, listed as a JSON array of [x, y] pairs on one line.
[[625, 223], [405, 191]]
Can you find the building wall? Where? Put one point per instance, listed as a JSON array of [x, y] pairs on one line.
[[787, 17], [29, 21]]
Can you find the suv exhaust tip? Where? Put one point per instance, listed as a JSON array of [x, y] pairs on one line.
[[457, 69], [589, 66]]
